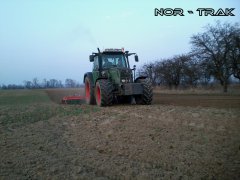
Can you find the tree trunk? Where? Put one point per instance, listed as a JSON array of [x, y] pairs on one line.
[[225, 87], [170, 86]]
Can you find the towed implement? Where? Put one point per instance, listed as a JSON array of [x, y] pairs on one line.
[[73, 99], [112, 80]]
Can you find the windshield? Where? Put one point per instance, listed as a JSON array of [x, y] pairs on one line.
[[114, 60]]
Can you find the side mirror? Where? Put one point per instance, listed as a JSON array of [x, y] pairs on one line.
[[91, 58], [136, 58]]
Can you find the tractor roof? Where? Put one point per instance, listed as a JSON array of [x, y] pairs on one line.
[[111, 50]]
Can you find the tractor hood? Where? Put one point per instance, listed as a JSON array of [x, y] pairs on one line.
[[120, 75]]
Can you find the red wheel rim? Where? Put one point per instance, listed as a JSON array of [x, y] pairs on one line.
[[87, 90], [98, 95]]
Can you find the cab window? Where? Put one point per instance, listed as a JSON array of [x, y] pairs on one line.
[[114, 60], [95, 63]]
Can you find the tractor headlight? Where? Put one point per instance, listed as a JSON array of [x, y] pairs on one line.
[[123, 80]]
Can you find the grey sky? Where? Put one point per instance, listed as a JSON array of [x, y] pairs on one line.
[[53, 39]]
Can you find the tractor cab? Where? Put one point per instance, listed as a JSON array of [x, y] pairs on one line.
[[111, 58], [114, 59]]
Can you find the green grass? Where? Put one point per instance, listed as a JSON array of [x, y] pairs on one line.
[[22, 107], [22, 97]]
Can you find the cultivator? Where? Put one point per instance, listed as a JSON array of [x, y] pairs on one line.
[[73, 100]]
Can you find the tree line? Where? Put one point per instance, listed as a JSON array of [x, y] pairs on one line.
[[214, 56], [37, 84]]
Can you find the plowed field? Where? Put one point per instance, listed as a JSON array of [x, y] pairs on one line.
[[179, 136]]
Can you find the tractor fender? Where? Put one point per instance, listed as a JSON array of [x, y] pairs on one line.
[[90, 76], [140, 77]]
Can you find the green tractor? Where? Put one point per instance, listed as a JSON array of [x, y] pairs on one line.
[[112, 80]]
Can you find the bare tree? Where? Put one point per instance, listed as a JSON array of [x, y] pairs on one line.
[[168, 72], [35, 83], [4, 86], [171, 71], [60, 85], [194, 71], [149, 70], [70, 83], [53, 83], [180, 70], [28, 84], [164, 74], [214, 46], [44, 83], [235, 54]]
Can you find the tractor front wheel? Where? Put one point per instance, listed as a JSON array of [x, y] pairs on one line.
[[89, 92], [146, 97], [103, 92]]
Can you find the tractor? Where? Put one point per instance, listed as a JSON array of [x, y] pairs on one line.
[[112, 80]]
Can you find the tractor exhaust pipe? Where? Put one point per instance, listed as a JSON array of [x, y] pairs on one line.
[[98, 50]]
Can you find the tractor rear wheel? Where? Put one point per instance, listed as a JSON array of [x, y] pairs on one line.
[[146, 97], [103, 92], [89, 92]]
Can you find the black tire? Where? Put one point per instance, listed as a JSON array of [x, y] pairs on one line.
[[89, 92], [147, 96], [103, 92]]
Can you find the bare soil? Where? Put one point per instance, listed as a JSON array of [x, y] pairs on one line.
[[195, 100], [178, 137]]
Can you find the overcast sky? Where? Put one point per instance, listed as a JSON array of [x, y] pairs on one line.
[[53, 39]]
